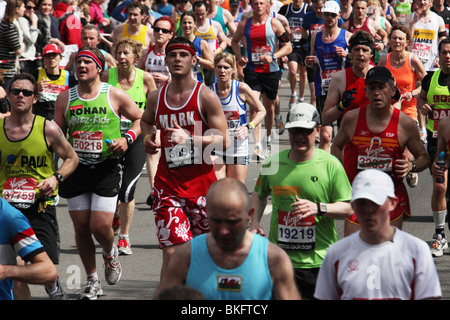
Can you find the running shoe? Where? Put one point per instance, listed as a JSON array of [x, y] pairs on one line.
[[302, 99], [439, 245], [113, 269], [124, 245], [258, 154], [279, 124], [59, 293], [293, 99], [412, 178], [93, 289]]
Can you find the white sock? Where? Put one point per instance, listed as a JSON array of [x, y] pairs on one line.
[[439, 219]]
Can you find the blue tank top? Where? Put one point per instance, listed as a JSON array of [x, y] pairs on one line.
[[250, 281], [197, 69], [327, 61]]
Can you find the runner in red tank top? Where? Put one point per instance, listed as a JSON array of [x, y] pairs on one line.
[[360, 21], [375, 137], [186, 111], [350, 81]]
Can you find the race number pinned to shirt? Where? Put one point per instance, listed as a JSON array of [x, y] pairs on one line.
[[294, 231], [88, 144], [375, 156], [259, 51], [20, 191]]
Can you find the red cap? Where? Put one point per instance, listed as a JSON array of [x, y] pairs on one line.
[[51, 48]]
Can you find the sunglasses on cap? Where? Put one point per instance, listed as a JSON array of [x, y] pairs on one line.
[[157, 30], [26, 92]]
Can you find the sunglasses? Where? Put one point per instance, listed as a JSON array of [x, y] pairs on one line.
[[329, 14], [157, 30], [26, 92], [302, 131], [30, 7]]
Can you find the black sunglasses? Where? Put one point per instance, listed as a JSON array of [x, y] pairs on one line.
[[157, 30], [302, 131], [329, 14], [26, 92], [30, 7]]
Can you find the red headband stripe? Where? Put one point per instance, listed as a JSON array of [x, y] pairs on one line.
[[89, 54], [180, 46]]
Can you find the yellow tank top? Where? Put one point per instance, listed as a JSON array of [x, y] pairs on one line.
[[24, 164], [138, 37], [439, 96]]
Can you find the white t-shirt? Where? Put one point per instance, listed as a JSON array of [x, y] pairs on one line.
[[399, 269], [425, 41]]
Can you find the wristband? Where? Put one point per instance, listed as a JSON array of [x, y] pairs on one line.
[[250, 125], [340, 106], [146, 137], [131, 136]]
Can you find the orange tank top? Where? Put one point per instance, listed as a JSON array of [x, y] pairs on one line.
[[406, 82]]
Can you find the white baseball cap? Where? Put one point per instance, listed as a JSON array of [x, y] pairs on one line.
[[302, 115], [331, 6], [374, 185]]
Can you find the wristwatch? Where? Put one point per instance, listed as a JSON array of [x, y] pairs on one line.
[[414, 167], [321, 208], [59, 177]]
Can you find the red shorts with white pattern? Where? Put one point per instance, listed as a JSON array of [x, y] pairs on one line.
[[403, 209], [177, 219]]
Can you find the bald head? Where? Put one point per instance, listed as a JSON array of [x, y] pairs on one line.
[[226, 190]]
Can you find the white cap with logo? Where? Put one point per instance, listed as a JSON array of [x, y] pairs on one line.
[[374, 185]]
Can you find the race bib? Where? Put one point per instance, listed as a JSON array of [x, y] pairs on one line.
[[20, 192], [181, 155], [295, 233], [375, 156], [259, 51], [88, 144]]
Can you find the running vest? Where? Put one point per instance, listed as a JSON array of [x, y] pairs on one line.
[[425, 41], [295, 19], [249, 281], [354, 82], [198, 71], [260, 40], [402, 11], [328, 62], [406, 82], [364, 27], [219, 18], [368, 150], [438, 95], [182, 170], [24, 164], [236, 115], [138, 37], [89, 123], [155, 63], [55, 87], [209, 36], [137, 92]]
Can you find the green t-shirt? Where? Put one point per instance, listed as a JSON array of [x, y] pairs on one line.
[[90, 123], [320, 179]]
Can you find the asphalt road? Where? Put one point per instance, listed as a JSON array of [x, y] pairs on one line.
[[141, 270]]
